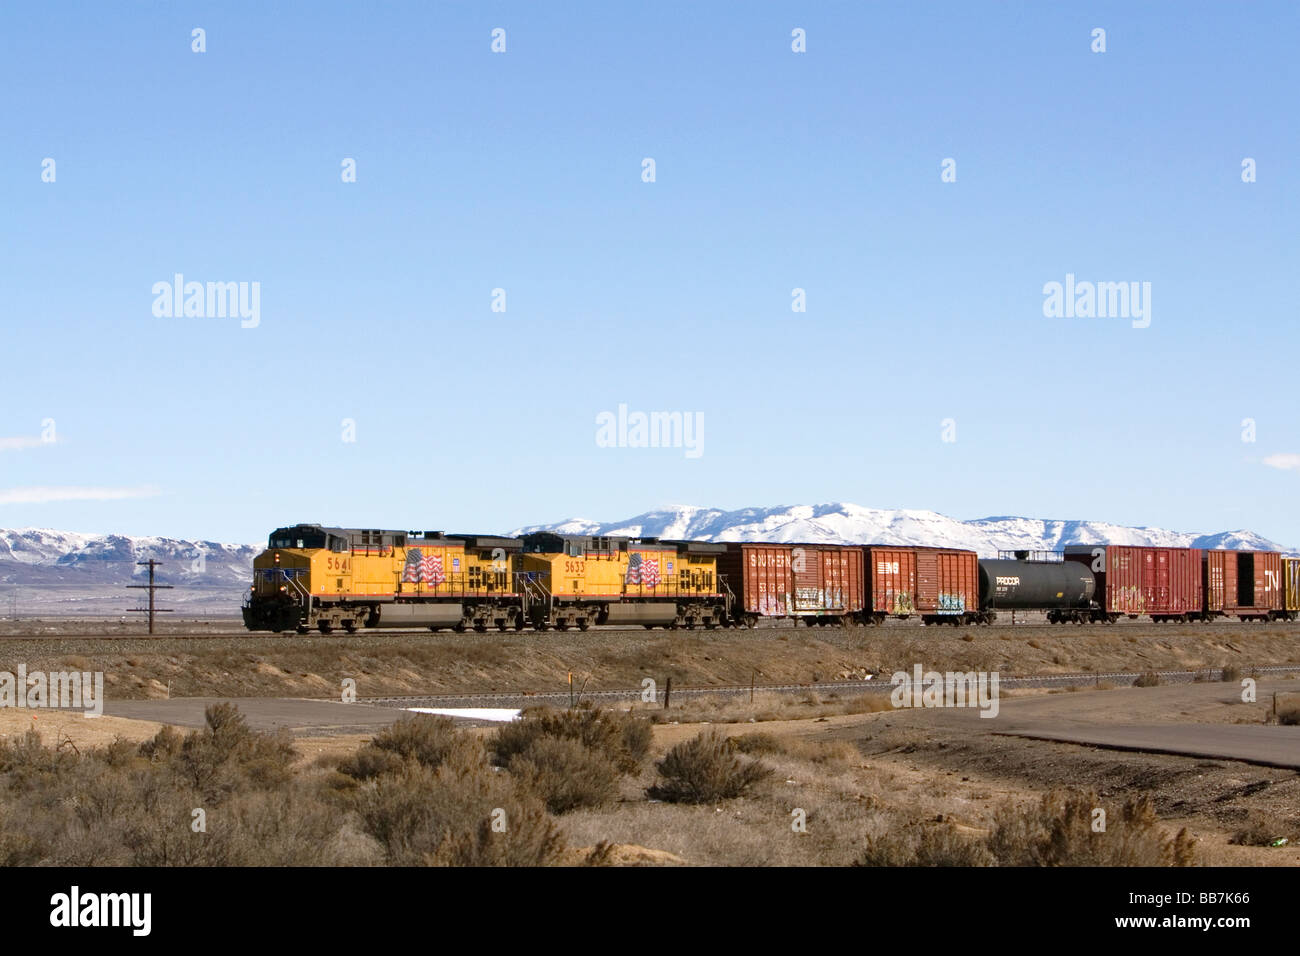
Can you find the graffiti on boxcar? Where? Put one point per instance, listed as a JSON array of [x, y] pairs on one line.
[[818, 599], [899, 602], [772, 605], [952, 603], [1130, 599]]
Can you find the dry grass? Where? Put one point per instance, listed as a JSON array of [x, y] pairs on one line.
[[224, 795], [422, 739], [925, 844], [1289, 717], [566, 774], [622, 737], [706, 769], [425, 792], [419, 663], [461, 814], [1265, 829], [1060, 831]]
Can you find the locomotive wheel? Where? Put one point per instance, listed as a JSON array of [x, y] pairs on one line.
[[304, 629], [350, 626], [325, 627], [584, 625]]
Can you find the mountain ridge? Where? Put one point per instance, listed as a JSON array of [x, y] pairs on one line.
[[846, 523]]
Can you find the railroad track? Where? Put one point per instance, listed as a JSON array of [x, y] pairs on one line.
[[563, 698], [903, 627]]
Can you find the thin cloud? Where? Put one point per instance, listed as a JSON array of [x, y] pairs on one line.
[[40, 495], [1284, 462]]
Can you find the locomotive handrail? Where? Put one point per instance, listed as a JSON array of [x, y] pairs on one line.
[[726, 588], [532, 591], [303, 593]]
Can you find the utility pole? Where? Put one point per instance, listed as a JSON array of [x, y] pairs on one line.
[[151, 588]]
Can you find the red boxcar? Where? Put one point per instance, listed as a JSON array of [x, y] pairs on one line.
[[821, 583], [1132, 580], [1245, 583], [939, 584]]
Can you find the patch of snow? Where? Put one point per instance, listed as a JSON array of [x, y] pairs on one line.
[[502, 714]]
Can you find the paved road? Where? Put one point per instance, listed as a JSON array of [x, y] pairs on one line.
[[1185, 719], [1157, 720], [1267, 745], [304, 718]]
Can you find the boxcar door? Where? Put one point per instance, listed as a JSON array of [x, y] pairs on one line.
[[927, 581]]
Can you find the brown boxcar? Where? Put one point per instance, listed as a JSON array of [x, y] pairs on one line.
[[821, 583], [939, 584], [891, 581], [1247, 584], [947, 585], [1164, 583]]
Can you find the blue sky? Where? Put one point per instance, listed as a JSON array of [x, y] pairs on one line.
[[522, 170]]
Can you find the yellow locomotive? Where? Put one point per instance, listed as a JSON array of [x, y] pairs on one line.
[[325, 578], [581, 580]]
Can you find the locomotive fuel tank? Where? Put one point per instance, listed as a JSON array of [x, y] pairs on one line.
[[1033, 585]]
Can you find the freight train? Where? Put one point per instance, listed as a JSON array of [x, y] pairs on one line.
[[314, 577]]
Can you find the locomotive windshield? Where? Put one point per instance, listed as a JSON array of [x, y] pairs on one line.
[[297, 538]]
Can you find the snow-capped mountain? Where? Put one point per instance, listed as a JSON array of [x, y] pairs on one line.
[[49, 572], [62, 572], [841, 523]]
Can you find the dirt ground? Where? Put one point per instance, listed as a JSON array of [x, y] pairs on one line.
[[851, 766], [850, 771], [56, 726], [202, 659], [918, 763]]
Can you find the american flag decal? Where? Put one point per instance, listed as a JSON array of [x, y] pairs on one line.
[[423, 567], [641, 570]]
